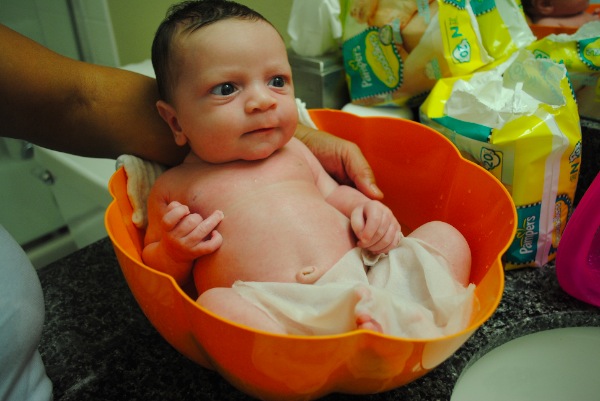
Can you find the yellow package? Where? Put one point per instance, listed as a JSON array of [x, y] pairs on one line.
[[519, 120], [502, 26], [579, 52], [395, 50]]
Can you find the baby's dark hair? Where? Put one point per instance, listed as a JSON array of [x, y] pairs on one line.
[[184, 18]]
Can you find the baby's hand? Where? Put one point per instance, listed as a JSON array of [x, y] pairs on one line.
[[187, 236], [375, 227]]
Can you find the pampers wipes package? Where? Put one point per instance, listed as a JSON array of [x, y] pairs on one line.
[[519, 120]]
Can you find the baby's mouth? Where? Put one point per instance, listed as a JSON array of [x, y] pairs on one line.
[[260, 131]]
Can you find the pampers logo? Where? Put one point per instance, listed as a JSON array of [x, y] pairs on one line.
[[360, 65], [372, 66], [527, 235], [523, 249]]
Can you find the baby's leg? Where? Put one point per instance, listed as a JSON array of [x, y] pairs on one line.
[[451, 243], [366, 322], [364, 317], [227, 303]]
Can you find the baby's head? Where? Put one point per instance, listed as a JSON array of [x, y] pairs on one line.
[[224, 80], [183, 19], [537, 9]]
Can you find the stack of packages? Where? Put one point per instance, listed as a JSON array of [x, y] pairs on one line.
[[480, 77]]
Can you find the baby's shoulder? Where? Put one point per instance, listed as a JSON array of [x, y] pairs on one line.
[[176, 177], [297, 147]]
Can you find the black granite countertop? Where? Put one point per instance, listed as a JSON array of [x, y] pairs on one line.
[[98, 345]]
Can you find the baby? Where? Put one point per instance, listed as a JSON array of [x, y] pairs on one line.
[[567, 13], [251, 205]]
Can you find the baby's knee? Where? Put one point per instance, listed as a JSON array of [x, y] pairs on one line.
[[215, 299], [451, 244]]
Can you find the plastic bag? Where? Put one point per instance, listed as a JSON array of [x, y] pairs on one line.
[[519, 120], [314, 27]]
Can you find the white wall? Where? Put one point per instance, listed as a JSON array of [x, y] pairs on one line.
[[46, 22], [55, 23]]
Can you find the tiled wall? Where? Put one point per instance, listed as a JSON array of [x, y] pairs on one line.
[[55, 23], [95, 30], [135, 22], [46, 22]]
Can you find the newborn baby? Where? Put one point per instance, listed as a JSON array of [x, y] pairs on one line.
[[251, 205]]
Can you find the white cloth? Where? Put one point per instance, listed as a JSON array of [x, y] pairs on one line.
[[410, 293], [141, 175]]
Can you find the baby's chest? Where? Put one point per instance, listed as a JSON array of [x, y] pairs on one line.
[[255, 182]]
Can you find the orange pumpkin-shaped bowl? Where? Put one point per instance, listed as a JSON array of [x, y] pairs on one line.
[[423, 178]]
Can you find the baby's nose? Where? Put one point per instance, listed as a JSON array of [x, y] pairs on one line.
[[260, 99]]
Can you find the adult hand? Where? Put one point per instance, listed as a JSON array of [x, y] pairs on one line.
[[342, 159]]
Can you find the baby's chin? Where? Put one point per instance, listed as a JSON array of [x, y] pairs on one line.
[[261, 154]]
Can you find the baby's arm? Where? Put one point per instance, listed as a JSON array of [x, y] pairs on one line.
[[373, 223], [175, 238]]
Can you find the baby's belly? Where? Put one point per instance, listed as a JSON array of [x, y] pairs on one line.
[[285, 241]]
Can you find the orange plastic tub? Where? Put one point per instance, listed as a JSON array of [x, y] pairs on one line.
[[424, 178]]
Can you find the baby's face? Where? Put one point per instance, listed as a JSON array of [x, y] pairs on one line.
[[234, 98]]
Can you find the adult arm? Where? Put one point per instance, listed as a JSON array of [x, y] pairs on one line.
[[342, 159], [78, 107], [373, 223], [91, 110]]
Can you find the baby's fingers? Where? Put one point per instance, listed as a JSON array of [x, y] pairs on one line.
[[208, 244], [358, 221], [175, 212], [194, 236], [374, 227], [204, 239], [202, 228], [389, 241]]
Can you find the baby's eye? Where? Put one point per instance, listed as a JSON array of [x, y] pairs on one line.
[[277, 81], [225, 89]]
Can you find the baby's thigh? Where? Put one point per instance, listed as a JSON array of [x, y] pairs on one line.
[[227, 303], [222, 301], [450, 243]]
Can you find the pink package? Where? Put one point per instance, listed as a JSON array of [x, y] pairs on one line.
[[578, 254]]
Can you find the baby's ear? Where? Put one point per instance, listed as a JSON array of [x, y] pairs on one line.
[[169, 114]]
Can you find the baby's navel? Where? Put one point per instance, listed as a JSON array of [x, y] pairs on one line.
[[307, 275]]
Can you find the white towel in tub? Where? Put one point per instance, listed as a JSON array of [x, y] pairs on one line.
[[410, 293], [141, 175]]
